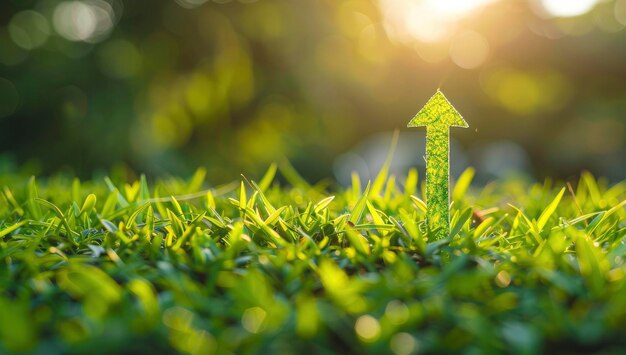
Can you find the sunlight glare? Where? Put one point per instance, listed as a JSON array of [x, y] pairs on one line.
[[569, 8], [456, 7], [426, 20]]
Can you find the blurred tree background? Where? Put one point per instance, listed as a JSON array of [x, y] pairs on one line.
[[165, 86]]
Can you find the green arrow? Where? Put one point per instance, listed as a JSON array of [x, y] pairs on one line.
[[438, 115]]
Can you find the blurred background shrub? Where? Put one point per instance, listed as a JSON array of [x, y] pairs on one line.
[[165, 86]]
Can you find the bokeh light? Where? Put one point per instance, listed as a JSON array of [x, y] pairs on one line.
[[29, 29], [403, 344], [469, 50], [253, 318], [523, 92], [620, 11], [87, 21], [367, 328]]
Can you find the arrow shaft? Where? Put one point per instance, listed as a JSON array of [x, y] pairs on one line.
[[437, 181]]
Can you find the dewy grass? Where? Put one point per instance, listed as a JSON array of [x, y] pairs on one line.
[[165, 266]]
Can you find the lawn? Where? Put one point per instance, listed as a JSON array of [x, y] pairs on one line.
[[281, 266]]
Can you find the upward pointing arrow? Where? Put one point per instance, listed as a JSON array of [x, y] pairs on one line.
[[438, 115]]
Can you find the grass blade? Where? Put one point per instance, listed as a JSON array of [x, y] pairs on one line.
[[549, 211]]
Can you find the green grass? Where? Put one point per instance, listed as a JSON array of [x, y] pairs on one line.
[[166, 266]]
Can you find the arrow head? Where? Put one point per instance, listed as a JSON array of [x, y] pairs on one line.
[[438, 112]]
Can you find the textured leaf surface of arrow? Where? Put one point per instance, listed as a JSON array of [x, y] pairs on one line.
[[438, 115]]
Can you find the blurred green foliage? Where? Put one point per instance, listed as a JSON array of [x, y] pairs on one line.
[[258, 268], [163, 87]]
